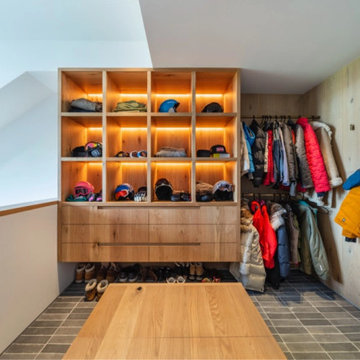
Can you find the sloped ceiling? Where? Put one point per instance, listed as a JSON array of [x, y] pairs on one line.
[[284, 46]]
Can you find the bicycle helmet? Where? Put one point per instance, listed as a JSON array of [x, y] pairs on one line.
[[94, 149], [223, 191], [169, 105], [124, 192], [163, 189], [213, 107]]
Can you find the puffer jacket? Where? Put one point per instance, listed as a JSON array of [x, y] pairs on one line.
[[268, 242], [291, 158], [348, 216], [250, 139], [278, 224], [311, 234], [277, 157], [304, 170], [244, 154], [250, 271], [293, 230], [315, 159], [324, 134], [285, 174], [258, 150]]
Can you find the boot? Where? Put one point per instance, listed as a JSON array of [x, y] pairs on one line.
[[90, 290], [89, 272], [80, 273], [101, 287]]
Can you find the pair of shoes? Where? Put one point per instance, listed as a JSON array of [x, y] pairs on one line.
[[175, 279], [148, 275], [196, 271], [84, 273], [95, 289], [129, 274], [107, 272]]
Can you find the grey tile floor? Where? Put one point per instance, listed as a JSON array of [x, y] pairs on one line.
[[308, 320]]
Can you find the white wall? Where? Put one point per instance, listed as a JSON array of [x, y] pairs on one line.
[[31, 276]]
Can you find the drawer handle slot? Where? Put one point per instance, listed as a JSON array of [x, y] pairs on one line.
[[148, 244]]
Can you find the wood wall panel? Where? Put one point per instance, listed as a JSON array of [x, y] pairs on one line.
[[337, 101]]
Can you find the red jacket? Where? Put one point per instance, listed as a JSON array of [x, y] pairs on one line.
[[268, 241], [269, 178], [314, 158]]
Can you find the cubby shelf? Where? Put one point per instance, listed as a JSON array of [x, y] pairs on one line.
[[189, 128]]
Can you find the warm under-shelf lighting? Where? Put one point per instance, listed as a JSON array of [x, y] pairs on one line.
[[133, 95], [172, 128], [217, 163], [210, 129], [143, 164], [95, 128], [94, 164], [94, 95], [172, 164], [133, 128]]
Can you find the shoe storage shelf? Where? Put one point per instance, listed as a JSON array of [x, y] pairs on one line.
[[152, 230]]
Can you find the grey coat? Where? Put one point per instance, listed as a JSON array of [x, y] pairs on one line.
[[311, 238], [304, 170], [258, 150], [291, 157]]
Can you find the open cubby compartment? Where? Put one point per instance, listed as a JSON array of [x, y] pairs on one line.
[[133, 173], [213, 171], [75, 171], [78, 131], [216, 130], [126, 134], [173, 131], [80, 84], [174, 85], [177, 173], [125, 86], [217, 86]]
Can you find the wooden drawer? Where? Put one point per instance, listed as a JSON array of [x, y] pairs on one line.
[[92, 252], [104, 234], [103, 215], [199, 252], [195, 215], [192, 234]]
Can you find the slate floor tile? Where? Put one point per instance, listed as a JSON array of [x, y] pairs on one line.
[[330, 338], [8, 356], [297, 338], [62, 339], [344, 355], [309, 322], [291, 330], [39, 331], [24, 348], [55, 348], [339, 347], [322, 329], [32, 339], [311, 355], [347, 329], [304, 347]]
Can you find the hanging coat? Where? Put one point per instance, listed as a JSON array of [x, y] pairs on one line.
[[278, 224], [269, 177], [244, 154], [315, 159], [250, 139], [304, 170], [268, 242], [348, 216], [311, 234], [293, 230], [277, 157], [250, 271], [291, 158], [258, 149], [285, 178], [323, 134]]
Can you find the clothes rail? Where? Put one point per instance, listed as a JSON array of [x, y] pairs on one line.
[[312, 117]]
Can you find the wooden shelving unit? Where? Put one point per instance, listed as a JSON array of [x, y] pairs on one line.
[[188, 128]]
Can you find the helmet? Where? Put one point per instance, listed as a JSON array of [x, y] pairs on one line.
[[94, 149], [169, 105], [163, 189], [203, 191], [83, 188], [213, 107], [124, 192], [223, 191]]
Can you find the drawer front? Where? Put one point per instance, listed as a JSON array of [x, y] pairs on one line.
[[195, 215], [183, 234], [103, 215], [88, 252], [199, 252], [105, 234]]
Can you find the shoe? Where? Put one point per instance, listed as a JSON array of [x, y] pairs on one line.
[[101, 274], [199, 270], [123, 276], [150, 276], [80, 273], [90, 290], [192, 271], [100, 289], [180, 279], [89, 272], [134, 273], [112, 273]]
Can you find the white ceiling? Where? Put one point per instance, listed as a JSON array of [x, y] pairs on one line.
[[284, 46]]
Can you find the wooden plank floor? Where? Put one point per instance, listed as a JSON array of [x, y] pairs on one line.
[[175, 321]]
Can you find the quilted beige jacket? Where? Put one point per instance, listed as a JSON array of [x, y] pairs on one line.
[[250, 271]]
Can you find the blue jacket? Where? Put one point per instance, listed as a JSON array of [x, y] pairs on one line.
[[250, 139], [352, 181]]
